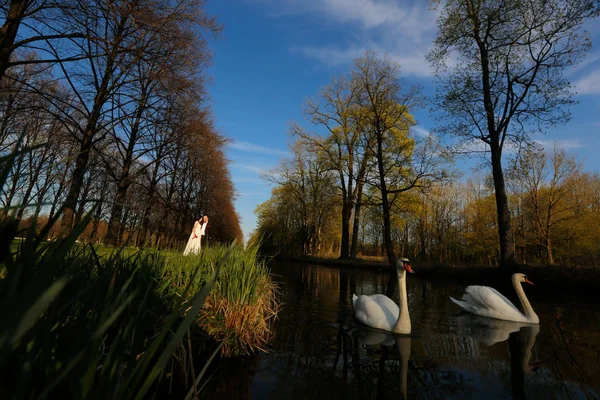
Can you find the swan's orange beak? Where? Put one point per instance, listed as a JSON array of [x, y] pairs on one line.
[[528, 281], [408, 268]]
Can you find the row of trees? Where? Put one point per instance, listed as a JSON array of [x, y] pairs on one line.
[[104, 107], [500, 70], [555, 213]]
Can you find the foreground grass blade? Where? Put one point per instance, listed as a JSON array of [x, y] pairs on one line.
[[189, 319], [194, 388], [34, 312]]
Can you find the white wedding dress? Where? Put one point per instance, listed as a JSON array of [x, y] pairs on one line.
[[194, 242]]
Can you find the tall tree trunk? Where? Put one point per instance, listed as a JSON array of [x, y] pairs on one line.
[[9, 101], [549, 250], [113, 236], [98, 213], [346, 214], [14, 186], [96, 222], [168, 197], [34, 172], [43, 189], [61, 184], [507, 251], [89, 132], [148, 208], [87, 187], [81, 163], [8, 32], [355, 228], [24, 201], [385, 205]]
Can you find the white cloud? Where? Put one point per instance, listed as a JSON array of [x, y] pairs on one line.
[[252, 180], [254, 148], [402, 29], [589, 84], [254, 168], [476, 146], [565, 144], [588, 60], [410, 64], [420, 131], [368, 12], [330, 55], [371, 14]]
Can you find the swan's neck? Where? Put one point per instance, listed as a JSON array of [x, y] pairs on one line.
[[529, 313], [403, 322]]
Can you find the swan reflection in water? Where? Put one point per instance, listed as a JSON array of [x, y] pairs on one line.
[[372, 337], [521, 338]]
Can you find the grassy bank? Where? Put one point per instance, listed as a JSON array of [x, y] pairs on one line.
[[96, 322], [239, 310]]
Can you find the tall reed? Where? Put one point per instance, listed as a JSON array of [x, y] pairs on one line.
[[243, 303]]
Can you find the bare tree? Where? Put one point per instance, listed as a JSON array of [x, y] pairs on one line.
[[45, 22], [500, 70], [126, 30]]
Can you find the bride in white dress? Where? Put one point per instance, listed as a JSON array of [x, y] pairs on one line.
[[194, 242]]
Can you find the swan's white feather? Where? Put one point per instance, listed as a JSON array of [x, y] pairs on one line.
[[377, 311], [488, 302]]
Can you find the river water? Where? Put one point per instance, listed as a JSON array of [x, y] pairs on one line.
[[320, 351]]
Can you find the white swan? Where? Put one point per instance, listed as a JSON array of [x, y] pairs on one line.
[[379, 311], [488, 302]]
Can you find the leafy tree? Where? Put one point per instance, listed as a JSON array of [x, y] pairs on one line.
[[305, 179], [550, 180], [343, 147], [401, 166]]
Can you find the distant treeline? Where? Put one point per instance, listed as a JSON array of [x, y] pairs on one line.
[[555, 211]]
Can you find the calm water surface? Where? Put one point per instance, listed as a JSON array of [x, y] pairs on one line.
[[320, 351]]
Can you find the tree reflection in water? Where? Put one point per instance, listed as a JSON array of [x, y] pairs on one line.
[[320, 351]]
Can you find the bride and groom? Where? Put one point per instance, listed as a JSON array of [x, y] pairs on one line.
[[194, 242]]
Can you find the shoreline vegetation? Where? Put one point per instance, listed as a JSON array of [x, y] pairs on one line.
[[583, 277], [96, 321]]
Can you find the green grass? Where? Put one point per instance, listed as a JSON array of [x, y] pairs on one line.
[[90, 325], [98, 321], [239, 310]]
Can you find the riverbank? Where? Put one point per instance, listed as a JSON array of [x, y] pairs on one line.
[[583, 277], [113, 320]]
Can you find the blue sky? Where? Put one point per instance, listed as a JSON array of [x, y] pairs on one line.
[[275, 54]]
